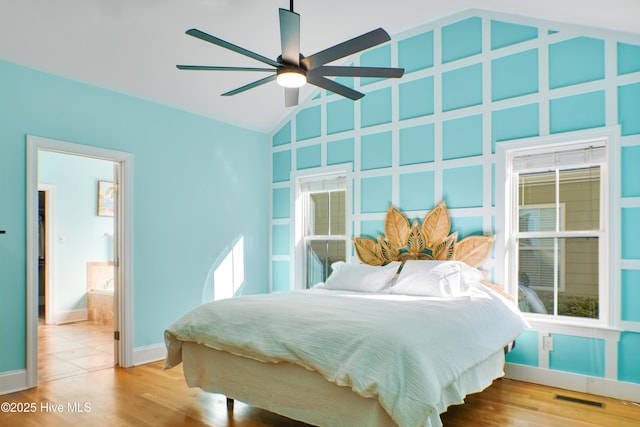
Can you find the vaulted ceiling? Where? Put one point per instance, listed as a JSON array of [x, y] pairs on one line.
[[132, 46]]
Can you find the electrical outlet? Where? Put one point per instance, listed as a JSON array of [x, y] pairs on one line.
[[547, 343]]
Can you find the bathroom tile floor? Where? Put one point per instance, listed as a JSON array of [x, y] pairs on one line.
[[73, 349]]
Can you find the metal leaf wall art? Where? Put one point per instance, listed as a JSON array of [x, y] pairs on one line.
[[431, 240]]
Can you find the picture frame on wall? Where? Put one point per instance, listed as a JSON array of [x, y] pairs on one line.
[[105, 198]]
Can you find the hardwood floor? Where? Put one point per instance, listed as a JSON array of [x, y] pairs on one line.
[[148, 395]]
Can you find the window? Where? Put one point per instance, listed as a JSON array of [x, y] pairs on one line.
[[557, 240], [324, 226]]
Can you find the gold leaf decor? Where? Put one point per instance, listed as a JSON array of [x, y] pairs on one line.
[[431, 240]]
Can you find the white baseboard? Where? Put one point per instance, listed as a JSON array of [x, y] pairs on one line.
[[13, 381], [148, 354], [68, 316], [575, 382]]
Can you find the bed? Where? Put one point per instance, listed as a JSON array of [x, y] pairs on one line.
[[391, 341]]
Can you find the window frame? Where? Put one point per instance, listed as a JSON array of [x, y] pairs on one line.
[[506, 215], [298, 266]]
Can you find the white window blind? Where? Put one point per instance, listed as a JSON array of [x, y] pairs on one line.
[[328, 183], [562, 159]]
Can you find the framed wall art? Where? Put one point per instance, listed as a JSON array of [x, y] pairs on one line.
[[105, 198]]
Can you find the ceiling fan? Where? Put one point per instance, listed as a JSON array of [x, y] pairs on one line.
[[292, 70]]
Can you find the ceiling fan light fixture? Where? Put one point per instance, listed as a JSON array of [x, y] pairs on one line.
[[291, 77]]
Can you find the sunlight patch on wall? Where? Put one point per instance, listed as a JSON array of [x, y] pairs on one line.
[[229, 275]]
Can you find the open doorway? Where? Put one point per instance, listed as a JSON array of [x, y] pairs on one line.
[[110, 271], [75, 265]]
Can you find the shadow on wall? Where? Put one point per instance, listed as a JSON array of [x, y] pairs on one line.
[[226, 275]]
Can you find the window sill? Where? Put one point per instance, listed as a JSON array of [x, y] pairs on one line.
[[594, 330]]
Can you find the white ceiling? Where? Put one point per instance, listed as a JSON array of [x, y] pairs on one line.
[[132, 46]]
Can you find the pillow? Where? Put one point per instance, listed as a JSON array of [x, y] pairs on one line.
[[437, 278], [424, 265], [360, 277], [469, 273]]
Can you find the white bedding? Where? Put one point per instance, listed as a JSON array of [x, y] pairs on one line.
[[401, 350]]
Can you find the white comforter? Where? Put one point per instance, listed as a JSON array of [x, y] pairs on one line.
[[397, 349]]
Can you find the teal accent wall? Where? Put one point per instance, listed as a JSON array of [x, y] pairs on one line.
[[376, 194], [514, 123], [376, 108], [461, 39], [577, 112], [283, 136], [630, 159], [506, 34], [416, 144], [280, 276], [416, 190], [377, 57], [575, 61], [281, 166], [308, 123], [631, 227], [628, 107], [629, 349], [474, 80], [376, 151], [462, 137], [416, 98], [462, 187], [631, 295], [280, 240], [628, 58], [524, 65], [340, 116], [308, 157], [197, 186], [416, 53], [281, 203], [577, 354], [462, 87], [525, 351]]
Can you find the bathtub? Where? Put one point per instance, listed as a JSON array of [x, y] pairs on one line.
[[100, 306], [100, 292]]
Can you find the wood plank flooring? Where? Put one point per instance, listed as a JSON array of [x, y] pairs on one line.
[[148, 395], [79, 387]]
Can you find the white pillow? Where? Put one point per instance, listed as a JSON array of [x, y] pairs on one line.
[[360, 277], [423, 265], [436, 278]]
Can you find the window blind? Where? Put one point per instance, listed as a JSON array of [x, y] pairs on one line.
[[325, 183], [566, 158]]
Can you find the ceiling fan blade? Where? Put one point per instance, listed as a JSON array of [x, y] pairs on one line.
[[215, 40], [215, 68], [291, 96], [328, 70], [349, 47], [334, 87], [290, 36], [250, 85]]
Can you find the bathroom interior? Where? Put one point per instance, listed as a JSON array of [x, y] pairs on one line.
[[76, 268]]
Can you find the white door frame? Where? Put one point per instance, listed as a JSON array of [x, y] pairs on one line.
[[122, 247]]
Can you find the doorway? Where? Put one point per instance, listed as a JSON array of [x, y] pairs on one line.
[[75, 243], [121, 353]]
